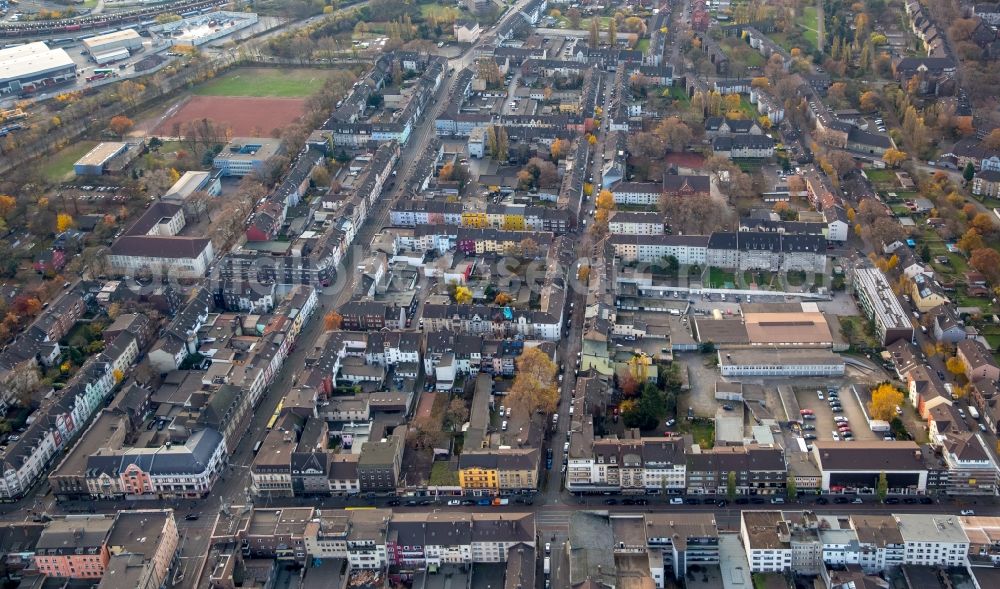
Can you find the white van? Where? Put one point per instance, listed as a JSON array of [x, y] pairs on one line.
[[676, 501]]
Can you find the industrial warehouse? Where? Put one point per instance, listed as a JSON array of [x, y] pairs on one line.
[[204, 28], [114, 46], [26, 68]]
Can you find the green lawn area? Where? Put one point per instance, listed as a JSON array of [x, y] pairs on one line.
[[957, 263], [964, 300], [808, 21], [855, 329], [719, 278], [880, 176], [642, 45], [992, 335], [437, 11], [59, 167], [787, 44], [702, 430], [585, 23], [754, 59], [170, 147], [679, 94], [810, 37], [748, 110], [265, 82], [443, 474], [739, 51], [763, 279]]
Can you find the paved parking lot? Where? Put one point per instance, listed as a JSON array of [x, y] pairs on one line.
[[825, 426]]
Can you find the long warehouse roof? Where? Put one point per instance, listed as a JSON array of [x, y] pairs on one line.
[[32, 63], [112, 37], [24, 49]]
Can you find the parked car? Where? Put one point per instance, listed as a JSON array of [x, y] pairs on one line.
[[968, 512], [891, 500], [822, 501], [454, 502], [858, 501], [841, 500]]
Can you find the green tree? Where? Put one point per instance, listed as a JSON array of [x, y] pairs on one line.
[[882, 490], [969, 172], [790, 487], [647, 413], [731, 485]]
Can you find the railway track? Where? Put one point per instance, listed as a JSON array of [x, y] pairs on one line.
[[33, 30]]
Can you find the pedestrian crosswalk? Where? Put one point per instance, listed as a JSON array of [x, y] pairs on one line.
[[553, 521]]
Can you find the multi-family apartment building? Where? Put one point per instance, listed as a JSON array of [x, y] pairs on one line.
[[453, 216], [168, 471], [628, 465], [779, 541], [75, 547], [501, 470], [653, 249], [880, 305], [749, 250], [635, 223], [380, 463], [377, 539], [758, 470], [933, 539]]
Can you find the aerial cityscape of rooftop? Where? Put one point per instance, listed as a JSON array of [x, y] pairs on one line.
[[532, 294]]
